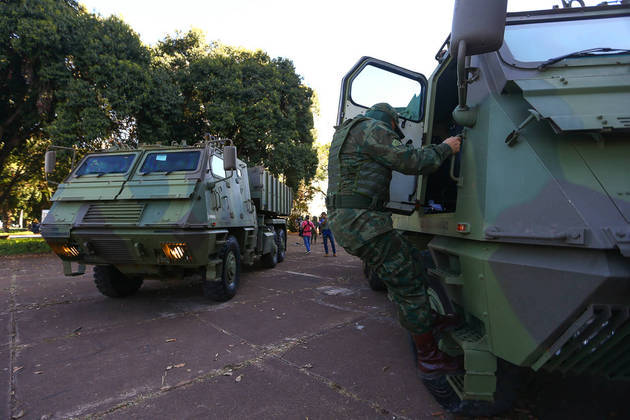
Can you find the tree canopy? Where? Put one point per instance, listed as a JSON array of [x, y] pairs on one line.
[[68, 77], [259, 102]]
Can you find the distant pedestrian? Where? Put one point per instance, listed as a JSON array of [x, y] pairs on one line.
[[35, 226], [307, 229], [298, 223], [326, 234], [314, 233]]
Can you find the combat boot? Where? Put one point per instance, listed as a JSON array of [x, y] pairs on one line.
[[431, 360]]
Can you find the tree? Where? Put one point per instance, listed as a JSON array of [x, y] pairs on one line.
[[22, 185], [72, 78], [66, 74], [258, 102]]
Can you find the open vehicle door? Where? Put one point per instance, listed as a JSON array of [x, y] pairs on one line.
[[372, 81]]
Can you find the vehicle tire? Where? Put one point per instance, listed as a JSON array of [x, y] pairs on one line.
[[281, 241], [438, 298], [507, 374], [270, 260], [224, 288], [373, 279], [445, 395], [111, 282]]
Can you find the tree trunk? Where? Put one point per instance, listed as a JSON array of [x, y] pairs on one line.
[[6, 217]]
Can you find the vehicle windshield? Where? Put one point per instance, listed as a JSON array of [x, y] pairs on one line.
[[532, 42], [170, 161], [106, 164]]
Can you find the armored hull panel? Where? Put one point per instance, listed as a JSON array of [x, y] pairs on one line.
[[268, 193]]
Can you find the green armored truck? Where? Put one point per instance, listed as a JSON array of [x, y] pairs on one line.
[[167, 212], [528, 227]]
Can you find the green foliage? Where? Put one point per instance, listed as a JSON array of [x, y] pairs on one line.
[[23, 246], [22, 184], [259, 102], [68, 77]]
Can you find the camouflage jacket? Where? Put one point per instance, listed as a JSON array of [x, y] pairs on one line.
[[363, 154]]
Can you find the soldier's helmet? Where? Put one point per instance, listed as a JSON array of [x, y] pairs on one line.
[[386, 113]]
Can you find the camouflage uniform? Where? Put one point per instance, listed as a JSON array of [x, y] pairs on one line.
[[363, 153]]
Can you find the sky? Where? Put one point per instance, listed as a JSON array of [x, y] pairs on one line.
[[323, 38]]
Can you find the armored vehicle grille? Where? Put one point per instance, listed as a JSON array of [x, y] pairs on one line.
[[113, 214], [597, 343], [113, 250]]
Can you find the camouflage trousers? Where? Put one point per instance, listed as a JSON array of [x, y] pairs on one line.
[[398, 264]]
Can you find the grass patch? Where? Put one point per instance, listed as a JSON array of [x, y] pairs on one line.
[[23, 246]]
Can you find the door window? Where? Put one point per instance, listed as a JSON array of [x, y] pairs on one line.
[[374, 84], [216, 166]]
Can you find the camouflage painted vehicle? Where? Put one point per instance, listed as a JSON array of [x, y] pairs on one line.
[[528, 226], [167, 212]]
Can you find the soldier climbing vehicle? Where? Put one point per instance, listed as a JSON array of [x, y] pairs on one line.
[[528, 227], [167, 212]]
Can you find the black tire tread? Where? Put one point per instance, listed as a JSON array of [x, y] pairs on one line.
[[280, 234], [112, 283], [270, 260], [505, 395], [218, 290]]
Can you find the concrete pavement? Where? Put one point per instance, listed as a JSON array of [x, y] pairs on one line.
[[307, 339]]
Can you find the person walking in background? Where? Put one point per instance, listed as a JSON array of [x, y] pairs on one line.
[[324, 229], [307, 229], [314, 233]]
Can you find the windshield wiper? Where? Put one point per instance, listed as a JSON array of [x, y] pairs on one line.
[[583, 53]]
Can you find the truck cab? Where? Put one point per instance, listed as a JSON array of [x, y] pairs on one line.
[[164, 212]]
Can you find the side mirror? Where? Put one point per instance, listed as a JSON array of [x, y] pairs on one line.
[[478, 28], [480, 24], [50, 159], [229, 158]]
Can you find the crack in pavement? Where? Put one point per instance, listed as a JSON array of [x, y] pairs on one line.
[[13, 402], [90, 331], [267, 352], [341, 390], [136, 396], [23, 307]]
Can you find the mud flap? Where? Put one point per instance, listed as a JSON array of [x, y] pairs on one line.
[[67, 269]]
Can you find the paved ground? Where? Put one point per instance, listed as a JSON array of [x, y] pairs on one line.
[[305, 340]]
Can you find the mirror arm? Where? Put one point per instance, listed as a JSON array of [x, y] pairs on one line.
[[461, 74], [210, 185], [463, 115], [74, 156]]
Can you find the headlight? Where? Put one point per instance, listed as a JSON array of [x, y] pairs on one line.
[[176, 251], [66, 250]]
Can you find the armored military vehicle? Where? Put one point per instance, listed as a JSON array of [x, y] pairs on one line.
[[527, 228], [167, 212]]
